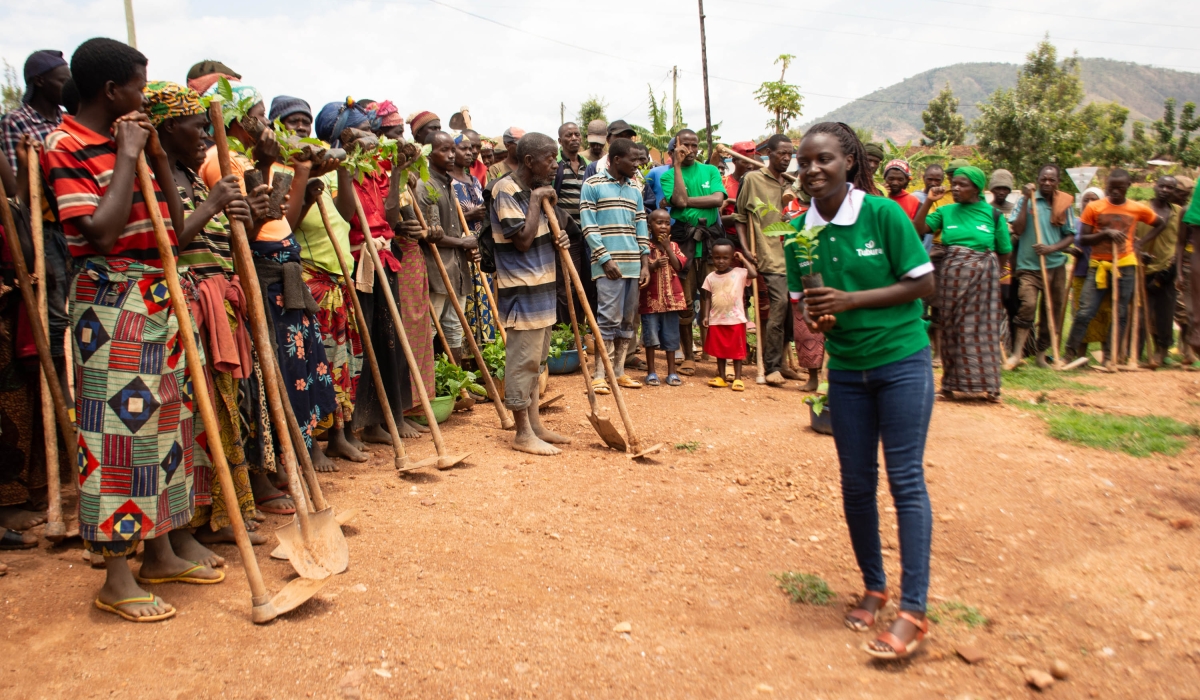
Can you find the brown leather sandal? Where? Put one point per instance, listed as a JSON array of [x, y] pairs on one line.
[[899, 649], [860, 619]]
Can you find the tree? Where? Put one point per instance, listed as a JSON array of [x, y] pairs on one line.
[[1035, 123], [943, 124], [1141, 148], [591, 109], [657, 135], [1104, 125], [1168, 145], [11, 91], [780, 98]]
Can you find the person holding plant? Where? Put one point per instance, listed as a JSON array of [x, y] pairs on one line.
[[723, 311], [661, 299], [136, 448], [614, 225], [977, 244], [525, 269], [862, 289]]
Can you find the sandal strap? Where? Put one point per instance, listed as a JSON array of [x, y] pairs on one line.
[[882, 595], [138, 599], [894, 642], [921, 625], [863, 615]]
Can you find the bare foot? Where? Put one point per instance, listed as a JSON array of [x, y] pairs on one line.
[[225, 536], [320, 461], [534, 446], [376, 435], [551, 437], [13, 518], [339, 447], [186, 546], [354, 442], [408, 430], [415, 426], [1041, 361], [812, 384]]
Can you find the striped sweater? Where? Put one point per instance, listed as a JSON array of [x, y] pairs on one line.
[[614, 224]]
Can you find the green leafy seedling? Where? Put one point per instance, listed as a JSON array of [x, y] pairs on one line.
[[809, 589], [451, 379], [562, 339], [952, 610], [689, 446]]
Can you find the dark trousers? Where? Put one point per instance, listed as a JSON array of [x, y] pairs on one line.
[[892, 403], [1161, 297]]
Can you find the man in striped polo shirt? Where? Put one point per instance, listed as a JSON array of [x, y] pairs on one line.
[[525, 277], [614, 224]]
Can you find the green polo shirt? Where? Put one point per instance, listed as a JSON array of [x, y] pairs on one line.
[[1192, 216], [877, 250], [700, 179], [977, 226]]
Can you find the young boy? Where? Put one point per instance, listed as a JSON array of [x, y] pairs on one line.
[[723, 313], [662, 298], [136, 433]]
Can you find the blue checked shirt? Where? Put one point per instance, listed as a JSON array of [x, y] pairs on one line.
[[614, 224], [25, 120]]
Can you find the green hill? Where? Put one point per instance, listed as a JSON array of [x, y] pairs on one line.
[[1140, 88]]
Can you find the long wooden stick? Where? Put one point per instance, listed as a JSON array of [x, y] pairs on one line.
[[1115, 332], [630, 436], [1051, 319], [243, 262], [757, 163], [1147, 327], [208, 416], [401, 335], [55, 530], [759, 331], [486, 284], [1133, 314], [41, 339], [368, 348]]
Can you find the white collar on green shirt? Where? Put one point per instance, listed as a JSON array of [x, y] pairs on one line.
[[846, 215]]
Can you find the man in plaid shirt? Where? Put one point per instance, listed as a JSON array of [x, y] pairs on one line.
[[39, 114]]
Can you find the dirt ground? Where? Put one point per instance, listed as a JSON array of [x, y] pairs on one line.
[[506, 577]]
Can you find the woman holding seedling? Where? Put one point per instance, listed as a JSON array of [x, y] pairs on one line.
[[860, 270], [978, 245]]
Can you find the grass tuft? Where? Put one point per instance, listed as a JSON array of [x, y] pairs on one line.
[[968, 615], [689, 446], [1034, 378], [809, 589], [1139, 436]]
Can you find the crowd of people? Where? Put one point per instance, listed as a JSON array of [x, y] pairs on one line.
[[854, 276]]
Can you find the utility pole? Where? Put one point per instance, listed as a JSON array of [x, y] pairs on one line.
[[704, 72], [129, 23], [562, 113], [674, 101]]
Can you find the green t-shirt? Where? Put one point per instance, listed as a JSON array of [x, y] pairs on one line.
[[314, 243], [977, 226], [1192, 216], [1051, 234], [700, 179], [877, 250]]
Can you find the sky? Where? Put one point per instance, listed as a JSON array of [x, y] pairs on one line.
[[513, 62]]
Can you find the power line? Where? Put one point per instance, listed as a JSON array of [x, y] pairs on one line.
[[1081, 15]]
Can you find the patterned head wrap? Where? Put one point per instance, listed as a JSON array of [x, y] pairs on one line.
[[336, 117], [389, 114], [240, 91], [166, 100]]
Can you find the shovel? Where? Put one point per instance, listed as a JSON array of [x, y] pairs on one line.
[[1051, 321], [631, 443], [41, 339], [603, 426], [364, 333], [56, 530], [264, 607], [443, 460], [316, 546]]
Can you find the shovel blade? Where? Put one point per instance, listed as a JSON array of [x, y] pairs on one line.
[[447, 461], [648, 451], [420, 464], [325, 555], [294, 594], [547, 402], [608, 432]]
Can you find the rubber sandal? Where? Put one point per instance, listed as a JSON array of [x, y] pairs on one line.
[[739, 385], [718, 383], [264, 505], [115, 608], [687, 368], [600, 386], [866, 617], [652, 379], [627, 382], [11, 539], [899, 649], [182, 577], [674, 380]]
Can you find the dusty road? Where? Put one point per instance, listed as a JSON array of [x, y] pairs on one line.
[[506, 577]]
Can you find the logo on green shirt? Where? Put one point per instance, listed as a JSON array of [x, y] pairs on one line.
[[869, 249]]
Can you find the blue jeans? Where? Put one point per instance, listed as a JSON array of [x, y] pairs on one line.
[[1090, 299], [661, 330], [892, 402]]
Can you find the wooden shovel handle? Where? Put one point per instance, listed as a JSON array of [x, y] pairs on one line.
[[583, 364], [368, 348], [487, 288], [738, 156], [203, 401], [552, 220], [1051, 321]]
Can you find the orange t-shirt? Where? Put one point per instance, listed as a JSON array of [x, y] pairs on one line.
[[1103, 214]]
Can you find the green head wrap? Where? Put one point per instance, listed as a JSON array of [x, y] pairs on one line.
[[975, 175]]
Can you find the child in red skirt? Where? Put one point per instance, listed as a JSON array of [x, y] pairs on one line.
[[723, 312]]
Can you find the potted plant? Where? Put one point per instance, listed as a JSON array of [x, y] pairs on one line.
[[564, 356], [494, 356], [449, 380], [818, 410]]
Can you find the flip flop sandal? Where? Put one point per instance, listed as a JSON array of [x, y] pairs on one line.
[[899, 649], [183, 577], [264, 505], [674, 380], [115, 608], [627, 382], [718, 383], [739, 385], [687, 368], [14, 540], [861, 614], [600, 386], [652, 379]]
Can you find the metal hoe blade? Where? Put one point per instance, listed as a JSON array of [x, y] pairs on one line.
[[293, 595], [326, 554]]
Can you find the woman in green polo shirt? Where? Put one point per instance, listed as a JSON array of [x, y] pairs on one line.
[[968, 296], [875, 271]]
